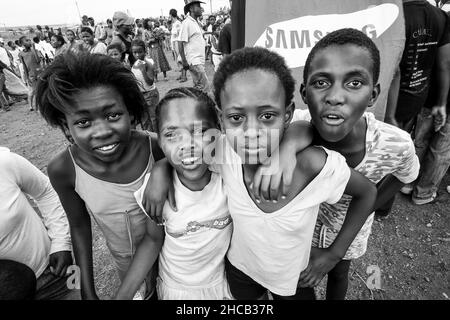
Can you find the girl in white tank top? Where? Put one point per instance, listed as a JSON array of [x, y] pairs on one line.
[[95, 101]]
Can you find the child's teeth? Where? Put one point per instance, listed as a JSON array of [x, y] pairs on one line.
[[107, 148], [188, 161]]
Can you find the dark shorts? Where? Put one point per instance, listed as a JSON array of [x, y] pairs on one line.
[[245, 288]]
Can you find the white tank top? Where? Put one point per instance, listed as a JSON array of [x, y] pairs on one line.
[[197, 237]]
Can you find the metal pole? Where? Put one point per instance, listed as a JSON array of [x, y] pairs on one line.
[[79, 14], [210, 5]]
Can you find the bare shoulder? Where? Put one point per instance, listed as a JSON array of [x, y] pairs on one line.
[[311, 160], [61, 170]]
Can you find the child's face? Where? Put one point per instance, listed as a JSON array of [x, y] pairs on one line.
[[26, 43], [339, 88], [100, 123], [254, 113], [87, 38], [54, 42], [182, 124], [138, 52], [70, 36], [115, 54]]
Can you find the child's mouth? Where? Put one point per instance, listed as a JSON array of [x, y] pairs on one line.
[[190, 161], [332, 119], [107, 148]]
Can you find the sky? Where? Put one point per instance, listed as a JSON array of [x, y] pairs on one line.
[[32, 12]]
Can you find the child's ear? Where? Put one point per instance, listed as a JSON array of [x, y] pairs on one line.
[[66, 131], [289, 114], [375, 94], [303, 92]]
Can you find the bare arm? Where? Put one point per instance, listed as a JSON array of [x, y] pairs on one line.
[[363, 194], [145, 257], [323, 260], [62, 180], [443, 84], [148, 73], [182, 54], [385, 189]]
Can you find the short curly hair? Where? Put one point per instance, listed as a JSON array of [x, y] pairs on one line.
[[205, 102], [346, 36], [69, 73], [249, 59]]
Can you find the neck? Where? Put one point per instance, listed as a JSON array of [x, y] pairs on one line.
[[196, 185]]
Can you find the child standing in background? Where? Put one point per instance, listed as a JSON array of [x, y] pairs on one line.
[[32, 61], [144, 73], [115, 51]]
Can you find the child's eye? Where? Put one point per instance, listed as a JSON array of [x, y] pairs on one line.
[[355, 84], [235, 118], [113, 116], [320, 84], [83, 123], [267, 116], [171, 135]]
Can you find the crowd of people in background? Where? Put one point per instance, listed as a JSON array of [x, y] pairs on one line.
[[31, 54]]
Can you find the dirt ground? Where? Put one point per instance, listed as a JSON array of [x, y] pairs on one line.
[[410, 248]]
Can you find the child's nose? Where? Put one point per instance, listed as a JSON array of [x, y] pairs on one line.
[[335, 95], [102, 130]]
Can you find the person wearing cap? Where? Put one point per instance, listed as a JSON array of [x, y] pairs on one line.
[[124, 25], [192, 45]]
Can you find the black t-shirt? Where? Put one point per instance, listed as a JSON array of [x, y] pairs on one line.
[[225, 39], [426, 29]]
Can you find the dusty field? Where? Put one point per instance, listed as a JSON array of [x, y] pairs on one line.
[[411, 247]]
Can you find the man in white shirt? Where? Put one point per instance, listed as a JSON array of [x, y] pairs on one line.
[[14, 50], [192, 45], [44, 245], [45, 48]]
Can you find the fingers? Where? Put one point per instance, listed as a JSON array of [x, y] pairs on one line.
[[275, 187], [287, 180], [256, 184], [265, 186], [304, 276], [159, 214], [153, 212], [63, 271], [438, 123], [58, 268]]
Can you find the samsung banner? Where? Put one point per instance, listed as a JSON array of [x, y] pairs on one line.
[[292, 27]]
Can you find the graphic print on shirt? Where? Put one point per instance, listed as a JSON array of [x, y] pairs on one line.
[[195, 226]]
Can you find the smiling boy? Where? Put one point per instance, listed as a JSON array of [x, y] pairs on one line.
[[340, 82]]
